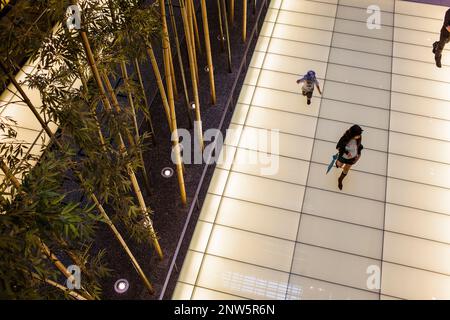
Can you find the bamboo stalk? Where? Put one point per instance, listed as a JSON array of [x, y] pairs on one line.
[[244, 21], [71, 293], [193, 77], [162, 91], [172, 73], [180, 62], [92, 195], [191, 37], [144, 96], [224, 13], [197, 35], [132, 175], [123, 66], [222, 37], [172, 105], [44, 248], [133, 179], [108, 108], [232, 12], [208, 52]]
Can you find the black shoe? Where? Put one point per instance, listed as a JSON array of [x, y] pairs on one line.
[[438, 62], [308, 102], [340, 184]]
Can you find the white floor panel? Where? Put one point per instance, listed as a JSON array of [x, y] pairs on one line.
[[418, 223], [333, 205], [319, 8], [285, 101], [283, 195], [241, 279], [258, 218], [274, 224], [349, 112], [418, 195], [332, 266], [418, 253], [415, 105], [306, 19], [409, 283], [361, 15], [299, 49], [360, 59], [356, 76], [356, 94], [358, 43], [340, 236], [422, 171], [302, 288]]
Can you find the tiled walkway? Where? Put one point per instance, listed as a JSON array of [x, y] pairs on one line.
[[293, 234]]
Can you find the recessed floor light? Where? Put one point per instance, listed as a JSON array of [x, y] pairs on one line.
[[121, 285], [167, 172]]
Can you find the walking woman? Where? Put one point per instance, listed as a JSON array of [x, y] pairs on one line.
[[349, 148]]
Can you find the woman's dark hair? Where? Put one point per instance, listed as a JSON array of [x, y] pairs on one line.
[[354, 131]]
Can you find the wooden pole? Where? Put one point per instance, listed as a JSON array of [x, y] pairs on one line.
[[244, 21], [208, 52], [193, 76], [180, 63]]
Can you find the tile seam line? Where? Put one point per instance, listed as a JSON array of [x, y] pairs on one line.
[[312, 149], [427, 212], [386, 186], [320, 217], [211, 289], [228, 176]]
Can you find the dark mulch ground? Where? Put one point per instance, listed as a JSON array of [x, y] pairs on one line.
[[169, 215]]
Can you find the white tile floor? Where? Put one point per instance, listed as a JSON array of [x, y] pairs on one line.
[[290, 233]]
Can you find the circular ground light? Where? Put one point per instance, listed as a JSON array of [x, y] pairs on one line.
[[167, 172], [121, 285]]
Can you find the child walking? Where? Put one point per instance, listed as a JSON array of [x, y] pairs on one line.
[[349, 148], [309, 80]]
